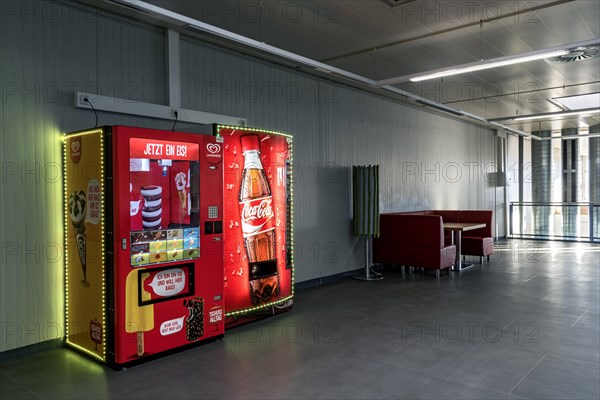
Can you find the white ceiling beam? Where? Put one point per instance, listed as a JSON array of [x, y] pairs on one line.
[[173, 69]]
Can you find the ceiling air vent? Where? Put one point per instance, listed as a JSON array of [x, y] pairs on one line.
[[574, 55]]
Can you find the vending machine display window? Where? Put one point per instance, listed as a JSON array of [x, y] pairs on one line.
[[164, 201]]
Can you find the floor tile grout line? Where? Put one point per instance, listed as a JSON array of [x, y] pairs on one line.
[[406, 344], [577, 275], [527, 374], [417, 388], [573, 359], [579, 319], [446, 379], [545, 298], [527, 280], [509, 324], [22, 386]]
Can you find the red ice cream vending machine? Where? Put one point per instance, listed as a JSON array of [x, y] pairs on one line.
[[144, 242]]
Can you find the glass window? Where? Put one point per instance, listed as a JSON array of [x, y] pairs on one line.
[[164, 201]]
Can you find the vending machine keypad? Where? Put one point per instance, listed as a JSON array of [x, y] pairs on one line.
[[213, 212]]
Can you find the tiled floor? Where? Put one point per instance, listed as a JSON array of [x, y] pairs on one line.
[[525, 325]]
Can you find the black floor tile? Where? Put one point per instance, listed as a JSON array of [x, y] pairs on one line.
[[438, 388], [561, 378], [10, 389], [524, 325]]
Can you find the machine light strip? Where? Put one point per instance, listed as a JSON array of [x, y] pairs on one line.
[[249, 310], [88, 352], [66, 219], [102, 230]]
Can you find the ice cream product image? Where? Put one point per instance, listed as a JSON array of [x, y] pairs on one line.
[[77, 212], [180, 183], [194, 323], [152, 210], [138, 318]]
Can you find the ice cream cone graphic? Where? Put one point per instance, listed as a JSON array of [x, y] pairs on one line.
[[180, 183], [138, 318], [77, 211], [182, 198], [80, 238]]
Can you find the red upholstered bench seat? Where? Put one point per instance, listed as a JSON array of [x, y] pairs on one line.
[[478, 242], [413, 240]]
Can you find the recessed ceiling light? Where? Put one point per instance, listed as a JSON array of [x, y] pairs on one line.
[[582, 101]]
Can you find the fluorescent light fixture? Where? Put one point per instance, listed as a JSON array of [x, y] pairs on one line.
[[549, 115], [488, 65], [581, 113], [572, 137]]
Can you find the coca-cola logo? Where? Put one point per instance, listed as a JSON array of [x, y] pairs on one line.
[[255, 214]]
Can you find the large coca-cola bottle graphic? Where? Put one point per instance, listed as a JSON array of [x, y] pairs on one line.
[[256, 214]]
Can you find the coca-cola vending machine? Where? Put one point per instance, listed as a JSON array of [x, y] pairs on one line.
[[144, 241], [258, 222]]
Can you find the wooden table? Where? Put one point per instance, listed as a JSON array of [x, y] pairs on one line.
[[457, 228]]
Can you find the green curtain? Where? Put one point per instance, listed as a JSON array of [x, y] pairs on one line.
[[365, 200]]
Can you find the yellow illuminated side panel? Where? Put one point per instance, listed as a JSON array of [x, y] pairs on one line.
[[84, 227]]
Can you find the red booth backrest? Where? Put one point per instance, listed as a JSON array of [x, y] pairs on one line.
[[484, 216], [419, 231], [449, 215], [425, 212]]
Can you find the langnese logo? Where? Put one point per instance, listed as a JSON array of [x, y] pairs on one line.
[[75, 149], [213, 153], [213, 148]]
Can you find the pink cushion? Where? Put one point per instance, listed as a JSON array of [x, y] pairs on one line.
[[477, 246]]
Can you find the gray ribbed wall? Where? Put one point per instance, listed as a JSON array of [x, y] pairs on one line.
[[594, 156], [427, 160], [541, 164]]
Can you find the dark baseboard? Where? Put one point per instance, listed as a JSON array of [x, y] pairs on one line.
[[325, 279], [26, 351]]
